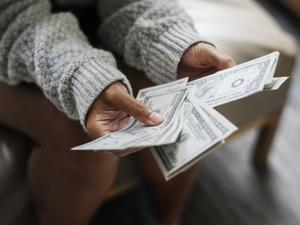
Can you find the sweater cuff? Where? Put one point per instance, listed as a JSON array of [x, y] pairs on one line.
[[90, 80], [164, 55]]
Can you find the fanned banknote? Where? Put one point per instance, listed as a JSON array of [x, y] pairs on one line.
[[194, 141], [237, 82], [275, 83], [204, 129]]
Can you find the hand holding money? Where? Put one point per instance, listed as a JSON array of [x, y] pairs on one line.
[[192, 127], [109, 117], [110, 112]]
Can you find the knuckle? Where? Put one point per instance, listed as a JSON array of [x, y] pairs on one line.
[[228, 59], [227, 62], [199, 51], [139, 110], [113, 91], [98, 132], [89, 126], [95, 131], [230, 62], [110, 94]]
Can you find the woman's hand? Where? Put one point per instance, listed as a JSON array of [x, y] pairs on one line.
[[110, 111], [203, 59]]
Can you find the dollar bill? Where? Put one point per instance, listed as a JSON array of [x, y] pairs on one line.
[[275, 83], [224, 127], [165, 99], [237, 82], [220, 88], [204, 129]]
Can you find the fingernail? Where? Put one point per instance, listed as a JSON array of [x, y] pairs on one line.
[[155, 117]]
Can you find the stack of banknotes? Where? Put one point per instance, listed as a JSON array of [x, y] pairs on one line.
[[192, 127]]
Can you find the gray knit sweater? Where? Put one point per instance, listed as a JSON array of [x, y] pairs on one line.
[[51, 51]]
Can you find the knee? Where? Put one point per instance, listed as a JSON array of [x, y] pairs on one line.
[[85, 166], [93, 166], [63, 133], [89, 166]]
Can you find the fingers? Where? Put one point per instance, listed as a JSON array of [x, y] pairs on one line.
[[96, 131], [123, 123], [125, 102], [103, 123], [219, 59], [136, 109], [224, 61]]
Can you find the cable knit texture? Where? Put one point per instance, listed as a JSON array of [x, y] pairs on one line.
[[151, 35], [51, 51]]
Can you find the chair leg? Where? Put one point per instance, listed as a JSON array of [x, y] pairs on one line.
[[265, 139]]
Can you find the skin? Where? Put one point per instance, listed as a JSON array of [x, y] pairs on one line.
[[67, 187]]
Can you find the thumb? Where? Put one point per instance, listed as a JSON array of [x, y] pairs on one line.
[[125, 102], [219, 59]]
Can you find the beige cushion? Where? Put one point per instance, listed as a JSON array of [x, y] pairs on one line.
[[240, 27]]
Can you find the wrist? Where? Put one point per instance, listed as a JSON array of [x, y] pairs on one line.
[[89, 80]]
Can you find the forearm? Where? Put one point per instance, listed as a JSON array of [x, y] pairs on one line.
[[150, 35], [50, 50]]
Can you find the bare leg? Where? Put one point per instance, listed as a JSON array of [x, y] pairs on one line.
[[67, 187], [168, 198]]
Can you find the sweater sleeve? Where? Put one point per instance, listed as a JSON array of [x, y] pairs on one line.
[[151, 35], [50, 50]]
